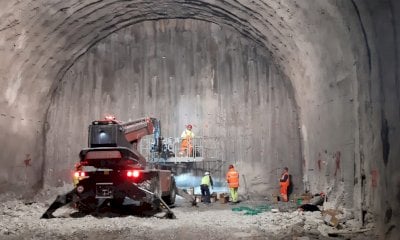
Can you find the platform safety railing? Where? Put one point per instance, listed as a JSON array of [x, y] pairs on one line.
[[202, 147]]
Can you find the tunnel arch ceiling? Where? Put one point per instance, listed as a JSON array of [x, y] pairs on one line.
[[320, 87], [183, 71], [320, 46]]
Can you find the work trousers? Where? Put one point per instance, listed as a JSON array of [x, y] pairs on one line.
[[205, 192], [284, 191], [234, 194], [187, 147]]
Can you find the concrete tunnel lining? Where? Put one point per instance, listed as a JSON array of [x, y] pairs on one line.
[[123, 26], [182, 71], [77, 44], [316, 45], [126, 21], [200, 11]]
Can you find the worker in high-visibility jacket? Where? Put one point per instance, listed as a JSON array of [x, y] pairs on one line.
[[232, 178], [187, 141], [284, 184], [206, 183]]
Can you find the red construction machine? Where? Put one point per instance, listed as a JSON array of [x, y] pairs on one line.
[[112, 170]]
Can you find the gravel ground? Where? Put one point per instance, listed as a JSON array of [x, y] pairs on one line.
[[20, 219]]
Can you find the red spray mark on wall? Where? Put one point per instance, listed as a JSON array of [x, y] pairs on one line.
[[337, 161], [27, 160], [319, 161], [374, 178]]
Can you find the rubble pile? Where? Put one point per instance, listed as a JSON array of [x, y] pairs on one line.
[[21, 220]]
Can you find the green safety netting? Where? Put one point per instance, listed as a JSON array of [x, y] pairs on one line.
[[252, 210]]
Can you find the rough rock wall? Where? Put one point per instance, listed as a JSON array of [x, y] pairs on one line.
[[341, 57], [378, 177], [304, 39], [183, 71], [325, 92]]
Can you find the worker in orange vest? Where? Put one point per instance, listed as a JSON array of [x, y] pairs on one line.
[[232, 178], [284, 183], [187, 141]]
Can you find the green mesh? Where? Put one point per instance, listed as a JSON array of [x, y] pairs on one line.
[[252, 210]]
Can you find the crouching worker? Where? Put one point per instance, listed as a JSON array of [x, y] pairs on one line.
[[206, 183]]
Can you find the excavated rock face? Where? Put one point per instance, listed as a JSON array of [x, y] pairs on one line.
[[311, 85], [184, 71]]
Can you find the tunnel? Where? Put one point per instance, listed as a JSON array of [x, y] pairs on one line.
[[308, 85]]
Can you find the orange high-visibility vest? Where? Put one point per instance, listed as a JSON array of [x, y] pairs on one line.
[[232, 177]]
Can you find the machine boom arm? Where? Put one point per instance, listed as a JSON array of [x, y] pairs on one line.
[[135, 130]]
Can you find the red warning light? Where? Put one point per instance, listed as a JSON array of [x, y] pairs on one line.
[[134, 173]]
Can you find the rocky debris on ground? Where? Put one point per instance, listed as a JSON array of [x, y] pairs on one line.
[[21, 220]]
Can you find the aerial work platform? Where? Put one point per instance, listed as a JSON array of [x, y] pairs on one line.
[[203, 148], [206, 154]]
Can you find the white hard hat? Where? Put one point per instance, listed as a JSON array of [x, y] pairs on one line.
[[207, 173]]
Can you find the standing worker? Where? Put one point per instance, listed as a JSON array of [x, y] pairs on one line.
[[187, 141], [284, 183], [232, 178], [206, 183]]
